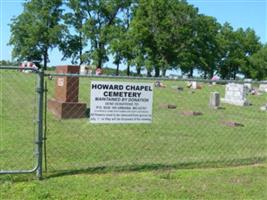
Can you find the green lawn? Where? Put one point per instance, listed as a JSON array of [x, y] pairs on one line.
[[149, 158], [247, 182]]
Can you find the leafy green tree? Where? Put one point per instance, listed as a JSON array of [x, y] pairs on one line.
[[205, 45], [250, 45], [36, 30], [161, 29], [121, 43], [236, 47], [259, 64], [99, 26], [73, 42], [8, 63], [227, 63]]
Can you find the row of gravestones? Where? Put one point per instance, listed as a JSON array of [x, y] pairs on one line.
[[235, 94]]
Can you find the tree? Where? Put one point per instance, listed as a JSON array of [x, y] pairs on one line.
[[250, 45], [122, 43], [161, 29], [205, 45], [236, 47], [259, 64], [73, 42], [8, 63], [36, 30], [99, 26]]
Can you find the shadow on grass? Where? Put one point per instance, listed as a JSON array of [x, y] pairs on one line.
[[133, 168], [152, 167]]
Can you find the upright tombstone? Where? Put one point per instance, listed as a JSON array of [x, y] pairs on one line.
[[194, 85], [235, 94], [263, 87], [248, 84], [83, 69], [214, 100], [65, 103], [264, 107]]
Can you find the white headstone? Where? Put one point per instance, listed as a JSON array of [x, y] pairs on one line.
[[235, 94], [83, 69], [263, 87], [194, 85]]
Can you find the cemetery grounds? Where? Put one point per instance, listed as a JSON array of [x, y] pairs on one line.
[[174, 157]]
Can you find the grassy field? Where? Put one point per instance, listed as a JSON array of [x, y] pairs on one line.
[[135, 161], [247, 182]]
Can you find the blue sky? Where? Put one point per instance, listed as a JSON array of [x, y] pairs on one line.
[[239, 13]]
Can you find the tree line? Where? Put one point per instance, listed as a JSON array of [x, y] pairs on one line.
[[155, 35]]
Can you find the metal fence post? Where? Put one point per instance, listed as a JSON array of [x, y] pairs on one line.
[[39, 135]]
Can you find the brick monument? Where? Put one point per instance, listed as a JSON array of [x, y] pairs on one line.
[[65, 103]]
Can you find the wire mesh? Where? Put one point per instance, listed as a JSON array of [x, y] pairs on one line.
[[185, 131], [17, 119]]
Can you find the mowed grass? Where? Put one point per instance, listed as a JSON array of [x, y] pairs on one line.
[[171, 140], [112, 159], [247, 182]]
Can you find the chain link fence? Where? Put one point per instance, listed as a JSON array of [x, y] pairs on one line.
[[185, 130], [18, 105]]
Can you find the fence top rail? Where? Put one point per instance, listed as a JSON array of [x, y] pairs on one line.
[[150, 78], [19, 68], [134, 77]]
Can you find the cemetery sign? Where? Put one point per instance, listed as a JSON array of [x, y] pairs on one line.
[[121, 102]]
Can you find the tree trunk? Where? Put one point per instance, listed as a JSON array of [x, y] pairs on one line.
[[128, 69], [234, 75], [100, 55], [45, 58], [164, 72], [211, 73], [117, 70], [191, 72], [138, 71], [205, 75], [148, 74], [80, 49], [99, 62], [157, 71]]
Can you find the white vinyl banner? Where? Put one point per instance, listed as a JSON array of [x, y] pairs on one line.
[[121, 102]]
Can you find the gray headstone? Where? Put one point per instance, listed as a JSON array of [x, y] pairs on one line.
[[214, 100], [235, 94], [264, 107], [263, 88], [248, 84]]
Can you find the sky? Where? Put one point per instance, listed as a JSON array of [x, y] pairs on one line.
[[239, 13]]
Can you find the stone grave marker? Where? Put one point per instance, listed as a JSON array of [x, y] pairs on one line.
[[168, 106], [214, 100], [194, 85], [65, 103], [264, 107], [191, 113], [232, 124], [235, 94], [248, 84], [263, 87]]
